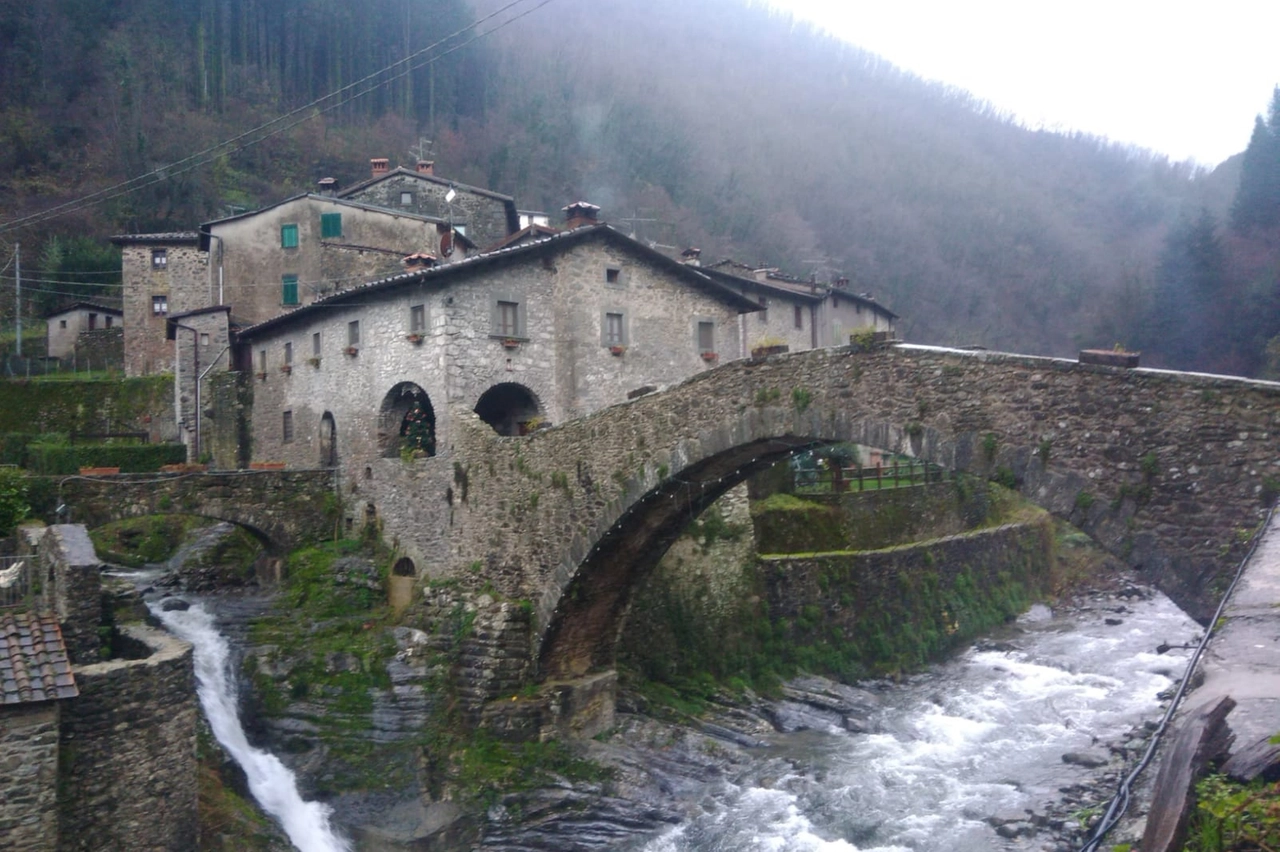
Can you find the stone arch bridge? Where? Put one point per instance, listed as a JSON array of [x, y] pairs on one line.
[[282, 509], [1166, 470]]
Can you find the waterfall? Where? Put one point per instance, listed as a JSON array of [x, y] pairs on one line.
[[271, 783]]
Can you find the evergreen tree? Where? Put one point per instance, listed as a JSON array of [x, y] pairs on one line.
[[1190, 312], [1257, 202]]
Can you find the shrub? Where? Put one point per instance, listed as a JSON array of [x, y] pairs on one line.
[[54, 459], [13, 499]]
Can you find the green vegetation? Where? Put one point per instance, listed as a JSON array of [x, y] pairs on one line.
[[62, 459], [228, 821], [801, 398], [82, 406], [711, 527], [1084, 501], [135, 542], [989, 445], [13, 499], [1233, 817]]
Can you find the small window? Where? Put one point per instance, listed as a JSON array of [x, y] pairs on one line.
[[353, 333], [93, 321], [508, 319], [706, 336], [417, 319], [799, 316], [835, 300], [763, 313], [62, 323], [262, 360], [406, 199], [288, 354], [315, 345], [330, 225], [288, 236], [204, 338], [159, 305], [106, 321], [613, 276], [288, 289], [159, 258], [286, 426], [614, 329]]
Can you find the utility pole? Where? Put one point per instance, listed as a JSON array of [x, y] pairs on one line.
[[17, 277]]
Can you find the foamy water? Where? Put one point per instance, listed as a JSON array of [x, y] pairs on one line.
[[272, 784]]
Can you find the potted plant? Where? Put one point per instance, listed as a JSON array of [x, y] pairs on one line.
[[286, 368], [314, 361], [351, 351], [617, 350], [1117, 356], [709, 356], [769, 346], [510, 343], [414, 338]]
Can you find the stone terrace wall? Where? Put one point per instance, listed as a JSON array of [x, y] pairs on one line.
[[68, 559], [100, 349], [128, 779], [28, 777]]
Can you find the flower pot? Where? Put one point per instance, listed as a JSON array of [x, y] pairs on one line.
[[709, 356], [415, 339], [286, 369], [266, 465], [617, 350], [315, 362], [98, 471], [510, 343], [352, 351]]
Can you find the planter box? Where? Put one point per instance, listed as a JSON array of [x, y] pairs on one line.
[[266, 465], [1109, 357], [286, 369], [765, 351], [510, 343], [351, 351], [415, 339], [184, 468], [617, 350], [98, 471], [709, 357]]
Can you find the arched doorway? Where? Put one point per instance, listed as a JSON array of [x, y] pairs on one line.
[[406, 422], [328, 441], [510, 409]]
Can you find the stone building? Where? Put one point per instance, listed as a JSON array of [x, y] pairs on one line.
[[162, 274], [484, 216], [802, 314], [520, 338], [65, 326]]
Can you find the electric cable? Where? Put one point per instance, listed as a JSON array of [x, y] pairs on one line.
[[1120, 802]]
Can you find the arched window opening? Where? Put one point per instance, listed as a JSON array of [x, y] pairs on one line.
[[328, 441], [404, 567], [510, 409], [407, 423]]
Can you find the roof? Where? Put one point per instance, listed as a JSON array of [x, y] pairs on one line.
[[560, 240], [513, 217], [168, 237], [33, 659], [198, 311], [205, 236], [786, 285], [85, 306], [533, 231]]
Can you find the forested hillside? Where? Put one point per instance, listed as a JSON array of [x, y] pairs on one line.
[[716, 123]]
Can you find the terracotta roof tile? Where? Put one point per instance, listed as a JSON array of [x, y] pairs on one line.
[[33, 659]]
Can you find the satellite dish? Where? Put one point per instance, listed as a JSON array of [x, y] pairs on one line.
[[449, 196]]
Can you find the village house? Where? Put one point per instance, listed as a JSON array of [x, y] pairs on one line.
[[161, 273], [65, 327]]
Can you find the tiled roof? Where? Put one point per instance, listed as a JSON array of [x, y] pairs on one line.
[[33, 659], [167, 237]]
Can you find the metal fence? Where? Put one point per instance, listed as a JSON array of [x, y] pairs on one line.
[[17, 581], [838, 480]]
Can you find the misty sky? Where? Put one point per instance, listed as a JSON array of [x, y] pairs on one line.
[[1185, 79]]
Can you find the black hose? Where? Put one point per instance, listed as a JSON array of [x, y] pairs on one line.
[[1120, 802]]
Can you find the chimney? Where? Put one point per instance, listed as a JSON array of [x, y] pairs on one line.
[[420, 260], [842, 283], [328, 186], [692, 256], [379, 166], [426, 167], [580, 213]]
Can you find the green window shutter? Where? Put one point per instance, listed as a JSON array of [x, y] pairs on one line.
[[289, 290], [288, 236], [330, 225]]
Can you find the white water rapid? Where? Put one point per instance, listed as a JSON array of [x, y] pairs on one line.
[[980, 736], [270, 782]]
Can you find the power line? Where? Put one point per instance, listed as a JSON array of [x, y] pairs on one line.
[[230, 146]]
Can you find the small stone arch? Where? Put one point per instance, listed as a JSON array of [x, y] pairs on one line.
[[510, 409], [406, 419], [328, 441], [404, 567]]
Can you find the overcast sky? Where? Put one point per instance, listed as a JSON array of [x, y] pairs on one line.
[[1185, 79]]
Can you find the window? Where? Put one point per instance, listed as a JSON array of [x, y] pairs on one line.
[[417, 319], [159, 305], [613, 328], [763, 313], [159, 258], [330, 225], [406, 199], [835, 300], [204, 338], [106, 321], [508, 318], [315, 345], [799, 316], [613, 276], [288, 236], [288, 354], [353, 333], [93, 321], [288, 289], [262, 361], [706, 336], [62, 323], [286, 426]]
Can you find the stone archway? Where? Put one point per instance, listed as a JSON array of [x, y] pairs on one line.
[[328, 441], [510, 409], [406, 421]]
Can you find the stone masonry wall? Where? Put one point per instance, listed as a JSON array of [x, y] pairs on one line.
[[100, 349], [68, 562], [128, 766], [29, 777], [183, 282], [485, 216]]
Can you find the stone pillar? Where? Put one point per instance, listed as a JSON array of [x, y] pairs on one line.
[[69, 565]]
